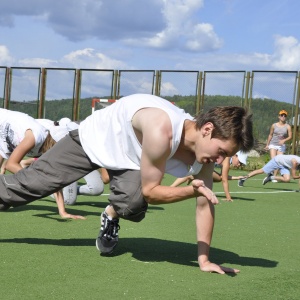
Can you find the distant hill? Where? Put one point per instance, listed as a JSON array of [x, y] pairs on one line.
[[264, 111]]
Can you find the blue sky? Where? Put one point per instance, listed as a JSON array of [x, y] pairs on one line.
[[203, 35]]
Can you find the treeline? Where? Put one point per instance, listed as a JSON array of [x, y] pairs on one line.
[[265, 111]]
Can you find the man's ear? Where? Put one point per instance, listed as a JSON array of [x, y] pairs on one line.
[[207, 129]]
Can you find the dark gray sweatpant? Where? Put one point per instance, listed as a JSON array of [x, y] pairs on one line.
[[63, 164]]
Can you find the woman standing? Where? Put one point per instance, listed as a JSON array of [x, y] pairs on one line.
[[280, 133]]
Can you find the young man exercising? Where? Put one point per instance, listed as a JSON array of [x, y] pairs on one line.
[[138, 139]]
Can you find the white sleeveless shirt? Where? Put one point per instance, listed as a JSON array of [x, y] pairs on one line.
[[108, 138], [13, 125]]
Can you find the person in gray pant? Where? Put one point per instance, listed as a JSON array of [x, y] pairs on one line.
[[138, 139]]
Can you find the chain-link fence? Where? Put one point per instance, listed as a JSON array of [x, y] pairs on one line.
[[93, 84], [54, 93], [270, 93], [228, 84], [180, 87], [135, 82], [24, 90]]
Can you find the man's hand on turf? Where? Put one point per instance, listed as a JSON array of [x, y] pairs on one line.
[[69, 216], [211, 267]]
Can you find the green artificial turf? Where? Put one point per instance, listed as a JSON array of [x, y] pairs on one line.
[[45, 257]]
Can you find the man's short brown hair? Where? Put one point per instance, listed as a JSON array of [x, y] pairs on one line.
[[230, 122]]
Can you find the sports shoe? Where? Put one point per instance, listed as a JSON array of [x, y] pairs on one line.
[[241, 182], [108, 237], [267, 179]]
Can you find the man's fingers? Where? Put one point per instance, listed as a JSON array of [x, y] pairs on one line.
[[229, 270], [212, 267], [80, 217], [75, 217]]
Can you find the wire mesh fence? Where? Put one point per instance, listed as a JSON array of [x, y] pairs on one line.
[[135, 82], [56, 92]]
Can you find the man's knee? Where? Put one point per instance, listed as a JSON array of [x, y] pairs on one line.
[[286, 178], [129, 204], [126, 195], [136, 215], [132, 207]]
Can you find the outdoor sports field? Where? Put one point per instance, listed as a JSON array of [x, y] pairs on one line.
[[45, 257]]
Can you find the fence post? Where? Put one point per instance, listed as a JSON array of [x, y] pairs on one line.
[[199, 90], [7, 88], [251, 79], [202, 92], [296, 125], [157, 83], [118, 84], [77, 94], [115, 84], [247, 90], [41, 114]]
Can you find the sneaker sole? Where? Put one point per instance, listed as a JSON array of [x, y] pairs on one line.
[[104, 251]]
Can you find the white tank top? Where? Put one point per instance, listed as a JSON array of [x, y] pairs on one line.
[[13, 125], [108, 138]]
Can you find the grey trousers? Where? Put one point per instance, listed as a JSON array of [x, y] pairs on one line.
[[63, 164]]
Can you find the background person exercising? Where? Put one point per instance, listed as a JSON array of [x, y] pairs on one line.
[[281, 162]]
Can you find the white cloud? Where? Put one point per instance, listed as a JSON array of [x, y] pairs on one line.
[[88, 58], [181, 32], [5, 58], [203, 38], [161, 24], [37, 62], [285, 57], [287, 53], [167, 88], [80, 20]]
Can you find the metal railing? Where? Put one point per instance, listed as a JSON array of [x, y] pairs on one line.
[[23, 88]]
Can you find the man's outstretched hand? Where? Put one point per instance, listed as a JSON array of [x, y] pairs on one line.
[[211, 267], [200, 188]]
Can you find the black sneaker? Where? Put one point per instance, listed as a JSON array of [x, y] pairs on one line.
[[241, 182], [267, 179], [108, 237]]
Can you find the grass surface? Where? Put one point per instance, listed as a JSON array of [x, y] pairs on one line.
[[45, 257]]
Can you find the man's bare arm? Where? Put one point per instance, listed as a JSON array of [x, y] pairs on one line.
[[205, 214], [156, 148]]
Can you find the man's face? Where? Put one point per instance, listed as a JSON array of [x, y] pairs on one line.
[[214, 150]]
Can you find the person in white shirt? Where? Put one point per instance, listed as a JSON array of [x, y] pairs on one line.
[[22, 135], [138, 139], [94, 185], [94, 181]]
